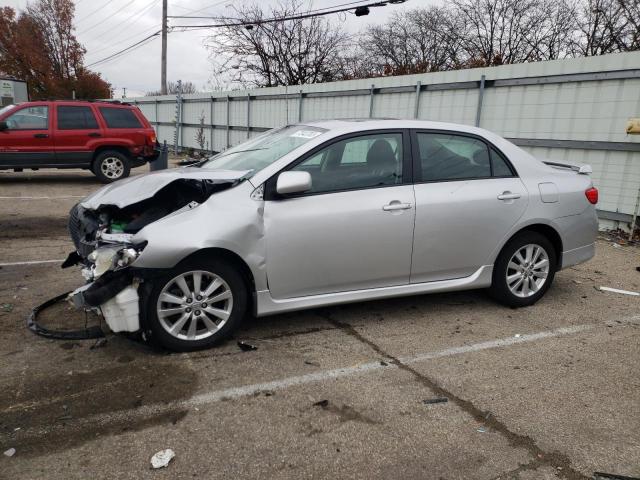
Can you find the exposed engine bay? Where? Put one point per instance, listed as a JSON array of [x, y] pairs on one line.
[[103, 238]]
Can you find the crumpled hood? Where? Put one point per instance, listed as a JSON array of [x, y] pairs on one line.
[[135, 189]]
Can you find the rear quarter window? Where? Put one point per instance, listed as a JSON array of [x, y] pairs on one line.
[[120, 118]]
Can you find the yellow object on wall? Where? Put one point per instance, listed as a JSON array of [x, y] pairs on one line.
[[633, 126]]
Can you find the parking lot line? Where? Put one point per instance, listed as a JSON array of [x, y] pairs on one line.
[[214, 396], [30, 262]]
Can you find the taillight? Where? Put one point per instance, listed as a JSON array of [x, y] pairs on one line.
[[592, 195], [152, 139]]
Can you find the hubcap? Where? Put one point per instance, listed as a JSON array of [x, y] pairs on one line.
[[194, 305], [527, 270], [112, 167]]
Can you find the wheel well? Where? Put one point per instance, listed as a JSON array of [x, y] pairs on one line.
[[120, 149], [551, 234], [235, 260]]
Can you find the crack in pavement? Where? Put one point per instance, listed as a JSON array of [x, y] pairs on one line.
[[560, 462]]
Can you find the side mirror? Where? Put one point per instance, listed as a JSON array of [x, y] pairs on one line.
[[293, 182], [3, 126]]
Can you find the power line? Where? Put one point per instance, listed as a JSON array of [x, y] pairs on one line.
[[292, 17], [126, 39], [122, 25], [105, 4], [127, 49], [310, 11]]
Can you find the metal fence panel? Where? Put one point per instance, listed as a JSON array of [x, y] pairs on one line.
[[573, 109]]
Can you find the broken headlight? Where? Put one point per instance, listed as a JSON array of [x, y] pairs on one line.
[[112, 257]]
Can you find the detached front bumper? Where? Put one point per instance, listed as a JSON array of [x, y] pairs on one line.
[[115, 296]]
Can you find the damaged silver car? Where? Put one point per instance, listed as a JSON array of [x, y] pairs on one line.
[[325, 213]]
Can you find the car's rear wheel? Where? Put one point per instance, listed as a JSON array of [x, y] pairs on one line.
[[111, 165], [524, 270], [196, 305]]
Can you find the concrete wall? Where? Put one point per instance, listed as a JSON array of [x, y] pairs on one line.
[[573, 109]]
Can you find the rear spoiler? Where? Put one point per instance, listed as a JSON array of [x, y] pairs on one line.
[[583, 169]]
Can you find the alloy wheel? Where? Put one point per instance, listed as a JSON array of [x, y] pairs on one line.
[[194, 305], [527, 271], [112, 167]]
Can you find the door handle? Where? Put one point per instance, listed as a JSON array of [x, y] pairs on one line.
[[509, 196], [95, 134], [41, 135], [396, 205]]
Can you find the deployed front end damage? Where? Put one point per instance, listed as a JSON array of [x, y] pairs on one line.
[[103, 227]]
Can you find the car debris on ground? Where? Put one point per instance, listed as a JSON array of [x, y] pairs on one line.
[[246, 347], [430, 401], [162, 458], [617, 290]]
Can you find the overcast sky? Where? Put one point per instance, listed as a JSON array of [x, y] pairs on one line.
[[106, 26]]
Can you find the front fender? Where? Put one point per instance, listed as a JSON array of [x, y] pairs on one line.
[[230, 220]]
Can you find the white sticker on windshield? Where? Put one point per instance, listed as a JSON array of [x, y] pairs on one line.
[[306, 134]]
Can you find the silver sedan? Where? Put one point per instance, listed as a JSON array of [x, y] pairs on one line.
[[325, 213]]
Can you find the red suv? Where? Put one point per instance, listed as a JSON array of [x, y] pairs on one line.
[[107, 137]]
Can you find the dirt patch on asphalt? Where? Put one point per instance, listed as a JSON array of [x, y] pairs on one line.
[[45, 413], [19, 227]]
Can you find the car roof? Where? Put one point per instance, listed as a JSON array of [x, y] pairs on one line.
[[359, 124]]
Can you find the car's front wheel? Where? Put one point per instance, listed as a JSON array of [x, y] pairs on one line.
[[196, 305], [111, 165], [524, 270]]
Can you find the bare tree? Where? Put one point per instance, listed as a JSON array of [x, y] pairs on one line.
[[414, 41], [607, 26], [512, 31], [172, 89], [287, 52], [200, 135]]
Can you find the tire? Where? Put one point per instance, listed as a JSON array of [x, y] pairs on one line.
[[111, 165], [526, 285], [215, 321]]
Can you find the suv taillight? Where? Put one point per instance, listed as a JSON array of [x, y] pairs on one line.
[[592, 195]]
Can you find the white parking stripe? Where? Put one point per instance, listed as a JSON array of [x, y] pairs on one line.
[[42, 198], [30, 262], [248, 390]]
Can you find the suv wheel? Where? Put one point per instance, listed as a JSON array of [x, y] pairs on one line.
[[524, 270], [196, 305], [110, 166]]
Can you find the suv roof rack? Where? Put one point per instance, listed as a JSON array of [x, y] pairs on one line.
[[117, 102]]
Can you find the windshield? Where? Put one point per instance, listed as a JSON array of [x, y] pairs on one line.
[[263, 150], [6, 109]]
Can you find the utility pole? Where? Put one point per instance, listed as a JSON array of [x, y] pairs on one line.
[[163, 61]]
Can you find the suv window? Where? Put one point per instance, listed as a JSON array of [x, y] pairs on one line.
[[76, 118], [120, 118], [358, 162], [29, 118]]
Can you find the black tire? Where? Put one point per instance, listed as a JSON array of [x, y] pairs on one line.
[[111, 165], [232, 279], [500, 290]]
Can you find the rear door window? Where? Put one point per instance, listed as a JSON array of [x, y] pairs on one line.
[[120, 118], [444, 156], [76, 118]]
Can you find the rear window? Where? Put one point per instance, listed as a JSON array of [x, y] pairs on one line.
[[76, 118], [120, 118]]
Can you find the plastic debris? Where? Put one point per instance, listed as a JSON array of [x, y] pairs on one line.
[[10, 453], [517, 335], [100, 342], [482, 430], [7, 307], [246, 347], [435, 400], [162, 458], [322, 403], [616, 290]]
